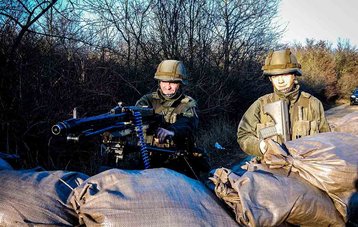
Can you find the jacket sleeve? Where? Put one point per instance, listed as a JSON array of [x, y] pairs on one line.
[[323, 123], [186, 124], [246, 132]]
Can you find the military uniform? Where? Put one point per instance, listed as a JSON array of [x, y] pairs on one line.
[[179, 122], [180, 116], [179, 113], [313, 119], [306, 114]]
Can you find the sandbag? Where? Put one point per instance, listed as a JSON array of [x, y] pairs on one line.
[[4, 165], [261, 198], [29, 197], [348, 123], [329, 161], [153, 197]]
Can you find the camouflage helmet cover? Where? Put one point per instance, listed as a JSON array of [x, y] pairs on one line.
[[281, 62], [172, 71]]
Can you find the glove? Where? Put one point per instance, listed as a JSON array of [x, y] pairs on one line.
[[163, 133], [263, 146]]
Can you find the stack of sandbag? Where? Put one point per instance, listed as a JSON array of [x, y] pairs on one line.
[[329, 161], [261, 198], [34, 198], [153, 197], [317, 172]]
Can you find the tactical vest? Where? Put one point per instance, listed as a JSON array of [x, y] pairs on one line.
[[302, 119], [171, 108]]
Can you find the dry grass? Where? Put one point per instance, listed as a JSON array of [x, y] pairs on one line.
[[223, 131]]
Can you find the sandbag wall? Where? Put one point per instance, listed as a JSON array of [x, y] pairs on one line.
[[306, 182]]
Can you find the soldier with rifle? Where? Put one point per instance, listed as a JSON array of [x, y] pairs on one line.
[[286, 114], [179, 112]]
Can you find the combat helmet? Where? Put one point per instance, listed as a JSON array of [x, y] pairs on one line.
[[171, 70], [281, 62]]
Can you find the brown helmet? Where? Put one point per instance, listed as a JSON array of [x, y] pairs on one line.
[[281, 62], [171, 70]]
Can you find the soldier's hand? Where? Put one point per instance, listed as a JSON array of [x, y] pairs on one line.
[[163, 133], [263, 146]]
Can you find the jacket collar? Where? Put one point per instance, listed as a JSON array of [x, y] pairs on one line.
[[290, 97], [169, 101]]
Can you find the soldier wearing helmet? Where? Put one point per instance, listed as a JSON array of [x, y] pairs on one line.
[[305, 112], [179, 111]]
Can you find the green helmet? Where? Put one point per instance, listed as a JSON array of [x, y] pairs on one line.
[[171, 70], [281, 62]]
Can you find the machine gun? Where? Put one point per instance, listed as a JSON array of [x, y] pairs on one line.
[[127, 133], [121, 128]]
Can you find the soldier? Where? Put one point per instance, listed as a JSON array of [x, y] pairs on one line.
[[179, 111], [306, 114]]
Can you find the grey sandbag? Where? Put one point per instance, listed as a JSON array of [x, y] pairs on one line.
[[31, 198], [153, 197], [329, 161], [261, 198]]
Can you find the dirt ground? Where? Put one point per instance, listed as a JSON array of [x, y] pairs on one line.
[[343, 118]]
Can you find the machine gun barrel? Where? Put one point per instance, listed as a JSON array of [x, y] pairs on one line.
[[118, 118], [74, 125]]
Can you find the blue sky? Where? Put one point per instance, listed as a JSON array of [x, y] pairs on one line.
[[320, 19]]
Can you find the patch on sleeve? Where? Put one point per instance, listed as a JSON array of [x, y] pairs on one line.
[[191, 112]]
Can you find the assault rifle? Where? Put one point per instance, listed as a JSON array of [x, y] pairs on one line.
[[127, 135], [278, 111]]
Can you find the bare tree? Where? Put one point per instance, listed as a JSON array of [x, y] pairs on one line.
[[24, 14]]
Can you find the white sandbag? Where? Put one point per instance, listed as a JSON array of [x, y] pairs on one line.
[[329, 161], [261, 198], [153, 197], [30, 198]]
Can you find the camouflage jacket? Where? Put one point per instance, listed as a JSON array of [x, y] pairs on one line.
[[254, 119], [179, 112]]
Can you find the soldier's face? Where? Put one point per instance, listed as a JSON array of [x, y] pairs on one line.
[[284, 82], [169, 88]]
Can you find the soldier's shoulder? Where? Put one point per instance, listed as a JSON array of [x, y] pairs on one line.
[[146, 100], [153, 95], [150, 96], [307, 95], [266, 98], [146, 97], [311, 99], [188, 100], [188, 106], [187, 103]]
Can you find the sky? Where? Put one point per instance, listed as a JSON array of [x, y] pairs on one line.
[[320, 20]]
